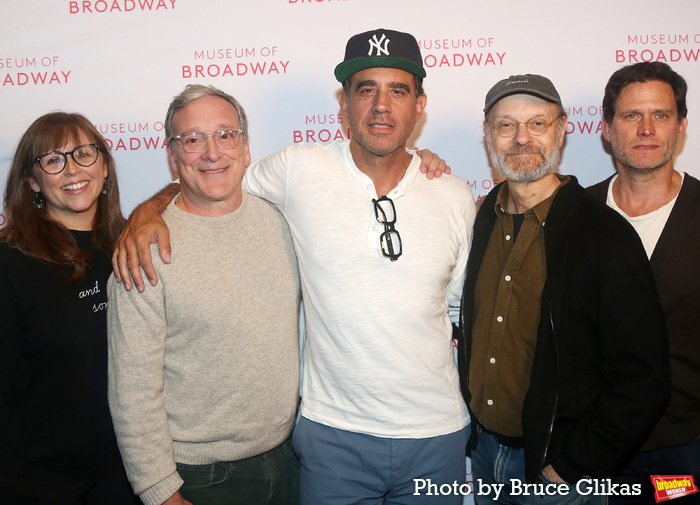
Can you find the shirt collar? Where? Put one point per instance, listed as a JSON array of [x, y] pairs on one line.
[[538, 212]]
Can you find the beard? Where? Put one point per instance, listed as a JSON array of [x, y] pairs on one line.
[[622, 156], [522, 170]]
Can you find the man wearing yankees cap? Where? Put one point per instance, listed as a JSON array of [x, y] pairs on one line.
[[382, 254]]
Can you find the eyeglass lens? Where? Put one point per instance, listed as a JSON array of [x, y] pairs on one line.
[[54, 162], [196, 142], [536, 126]]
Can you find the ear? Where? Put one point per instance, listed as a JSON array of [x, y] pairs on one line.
[[342, 100], [606, 130], [564, 124], [34, 185], [247, 153], [684, 125], [172, 160], [421, 102]]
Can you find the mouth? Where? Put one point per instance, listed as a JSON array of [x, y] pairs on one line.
[[75, 186], [214, 170], [381, 126]]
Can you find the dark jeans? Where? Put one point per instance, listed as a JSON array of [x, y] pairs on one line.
[[86, 490], [678, 460], [496, 464], [271, 478]]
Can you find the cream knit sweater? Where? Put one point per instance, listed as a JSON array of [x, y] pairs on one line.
[[204, 367]]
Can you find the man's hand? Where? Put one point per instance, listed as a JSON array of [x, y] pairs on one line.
[[176, 499], [431, 164], [133, 250], [552, 474]]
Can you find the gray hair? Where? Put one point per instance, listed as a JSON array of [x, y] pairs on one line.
[[191, 93]]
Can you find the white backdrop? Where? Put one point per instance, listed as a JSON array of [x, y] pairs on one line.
[[121, 61]]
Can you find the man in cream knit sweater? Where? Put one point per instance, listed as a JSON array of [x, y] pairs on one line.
[[203, 367]]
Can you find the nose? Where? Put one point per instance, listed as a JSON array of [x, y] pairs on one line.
[[211, 150], [646, 127], [522, 134], [72, 167], [381, 102]]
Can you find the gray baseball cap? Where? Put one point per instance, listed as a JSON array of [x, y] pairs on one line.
[[530, 84]]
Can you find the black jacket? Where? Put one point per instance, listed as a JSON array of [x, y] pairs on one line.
[[600, 376], [677, 272]]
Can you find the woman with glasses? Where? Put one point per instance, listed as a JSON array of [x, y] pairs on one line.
[[57, 443]]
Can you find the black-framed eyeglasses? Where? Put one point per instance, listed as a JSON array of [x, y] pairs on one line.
[[54, 162], [390, 240], [536, 126], [196, 142]]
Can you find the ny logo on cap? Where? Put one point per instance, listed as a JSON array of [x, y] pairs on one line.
[[377, 44]]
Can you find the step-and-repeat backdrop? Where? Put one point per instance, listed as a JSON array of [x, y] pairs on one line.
[[121, 61]]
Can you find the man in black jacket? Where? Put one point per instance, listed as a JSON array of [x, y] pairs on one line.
[[564, 358], [644, 118]]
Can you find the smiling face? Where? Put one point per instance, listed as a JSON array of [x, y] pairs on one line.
[[645, 128], [210, 180], [71, 195], [381, 109], [525, 157]]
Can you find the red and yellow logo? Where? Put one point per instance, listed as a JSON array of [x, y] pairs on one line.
[[667, 487]]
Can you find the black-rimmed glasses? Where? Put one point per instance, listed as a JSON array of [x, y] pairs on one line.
[[196, 142], [54, 162], [390, 240], [536, 126]]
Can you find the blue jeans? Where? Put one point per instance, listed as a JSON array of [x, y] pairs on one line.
[[504, 467], [679, 460], [271, 478], [342, 467]]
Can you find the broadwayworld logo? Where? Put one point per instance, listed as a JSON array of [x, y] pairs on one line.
[[667, 487]]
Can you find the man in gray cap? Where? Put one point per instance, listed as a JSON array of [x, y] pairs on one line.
[[564, 337], [382, 254]]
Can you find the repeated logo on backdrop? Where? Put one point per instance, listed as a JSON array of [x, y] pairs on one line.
[[207, 63], [321, 128], [669, 48], [584, 119], [133, 135], [33, 71], [116, 6], [461, 52]]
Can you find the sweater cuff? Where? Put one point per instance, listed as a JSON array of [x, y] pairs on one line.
[[156, 495]]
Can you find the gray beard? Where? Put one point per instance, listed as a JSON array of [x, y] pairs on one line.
[[549, 163]]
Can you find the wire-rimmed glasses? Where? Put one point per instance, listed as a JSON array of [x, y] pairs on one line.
[[196, 142], [536, 126]]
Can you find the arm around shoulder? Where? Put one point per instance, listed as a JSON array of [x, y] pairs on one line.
[[143, 228]]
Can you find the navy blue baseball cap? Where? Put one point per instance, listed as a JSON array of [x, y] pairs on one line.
[[381, 48]]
